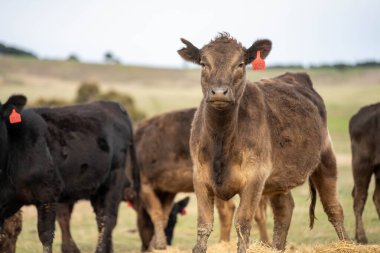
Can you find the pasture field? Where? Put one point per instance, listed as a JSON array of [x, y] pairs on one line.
[[160, 90]]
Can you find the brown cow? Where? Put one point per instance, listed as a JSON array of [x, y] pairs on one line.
[[9, 233], [162, 145], [255, 139], [365, 147]]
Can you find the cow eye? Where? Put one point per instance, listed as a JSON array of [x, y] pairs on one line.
[[203, 65], [241, 65]]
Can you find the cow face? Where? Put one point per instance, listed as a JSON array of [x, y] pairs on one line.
[[16, 102], [223, 62]]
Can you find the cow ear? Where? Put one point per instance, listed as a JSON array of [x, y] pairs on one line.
[[190, 52], [14, 102], [264, 46]]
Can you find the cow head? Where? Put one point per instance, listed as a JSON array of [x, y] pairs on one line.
[[223, 62], [16, 102]]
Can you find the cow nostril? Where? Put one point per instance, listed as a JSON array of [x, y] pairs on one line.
[[213, 92], [225, 92]]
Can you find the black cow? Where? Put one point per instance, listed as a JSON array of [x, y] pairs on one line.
[[62, 155], [365, 146], [178, 208]]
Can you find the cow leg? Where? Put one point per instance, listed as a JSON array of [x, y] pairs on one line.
[[325, 179], [167, 200], [106, 206], [260, 218], [205, 206], [362, 177], [376, 194], [64, 211], [145, 227], [249, 201], [46, 225], [155, 211], [282, 206], [226, 211]]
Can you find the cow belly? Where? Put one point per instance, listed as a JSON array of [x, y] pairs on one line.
[[83, 177], [178, 180], [285, 180]]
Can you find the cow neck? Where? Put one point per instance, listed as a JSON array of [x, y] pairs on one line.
[[221, 124]]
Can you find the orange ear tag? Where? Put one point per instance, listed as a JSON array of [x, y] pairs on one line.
[[258, 63], [15, 117]]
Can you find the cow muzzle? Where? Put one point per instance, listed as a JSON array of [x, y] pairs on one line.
[[220, 97]]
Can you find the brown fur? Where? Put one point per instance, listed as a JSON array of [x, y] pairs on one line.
[[255, 139], [365, 146], [8, 235], [162, 144]]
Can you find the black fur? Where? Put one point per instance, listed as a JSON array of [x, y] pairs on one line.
[[63, 155]]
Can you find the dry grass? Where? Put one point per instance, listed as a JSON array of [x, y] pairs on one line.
[[336, 247]]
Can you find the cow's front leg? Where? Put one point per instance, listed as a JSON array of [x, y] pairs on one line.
[[205, 202], [249, 201], [46, 225]]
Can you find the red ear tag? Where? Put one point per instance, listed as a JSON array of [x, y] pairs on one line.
[[183, 211], [258, 63], [129, 204], [15, 117]]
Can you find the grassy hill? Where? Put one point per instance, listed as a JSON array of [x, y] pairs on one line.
[[159, 90]]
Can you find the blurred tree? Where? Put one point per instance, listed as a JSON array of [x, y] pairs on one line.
[[88, 91], [43, 102], [127, 101], [110, 58], [73, 57], [5, 50]]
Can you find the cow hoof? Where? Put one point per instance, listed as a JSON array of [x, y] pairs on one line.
[[157, 244], [160, 245], [70, 249], [362, 239], [199, 249]]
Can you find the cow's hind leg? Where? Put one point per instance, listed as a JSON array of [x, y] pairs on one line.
[[282, 206], [226, 215], [64, 211], [324, 178], [154, 208], [260, 218], [362, 173], [376, 194], [106, 205], [145, 227], [167, 200], [46, 225]]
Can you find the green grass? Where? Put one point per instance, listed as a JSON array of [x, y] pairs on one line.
[[160, 90]]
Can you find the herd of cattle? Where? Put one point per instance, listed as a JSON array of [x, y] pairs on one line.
[[256, 140]]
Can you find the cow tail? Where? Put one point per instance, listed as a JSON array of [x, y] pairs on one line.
[[313, 194], [135, 168]]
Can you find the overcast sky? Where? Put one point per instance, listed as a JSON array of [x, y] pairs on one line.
[[147, 32]]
